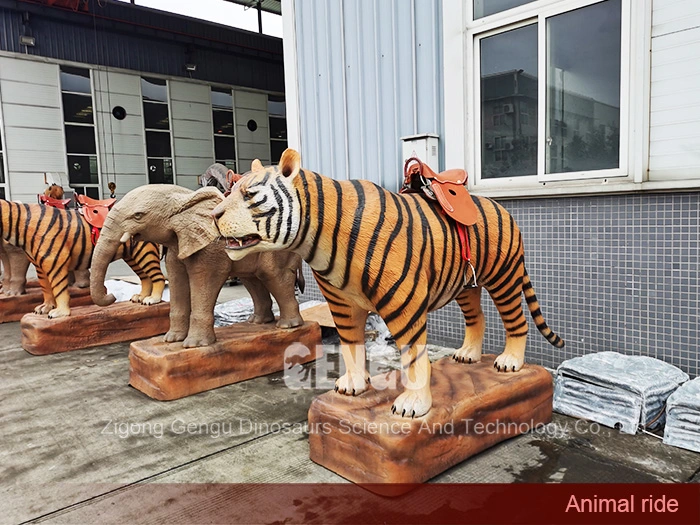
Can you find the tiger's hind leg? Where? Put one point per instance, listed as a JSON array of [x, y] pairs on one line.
[[49, 300], [350, 321], [510, 308], [469, 301], [146, 284]]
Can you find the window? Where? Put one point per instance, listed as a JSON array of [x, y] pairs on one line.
[[224, 126], [547, 95], [79, 131], [277, 112], [484, 8], [3, 192], [156, 117]]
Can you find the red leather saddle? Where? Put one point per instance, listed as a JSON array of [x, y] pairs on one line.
[[447, 187], [61, 204], [95, 212]]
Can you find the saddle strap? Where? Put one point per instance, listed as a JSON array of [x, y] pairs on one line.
[[466, 250], [94, 235]]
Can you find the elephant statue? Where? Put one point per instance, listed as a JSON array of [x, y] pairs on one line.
[[14, 267], [180, 219]]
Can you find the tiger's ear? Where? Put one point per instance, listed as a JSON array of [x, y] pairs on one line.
[[290, 163], [193, 223], [256, 165]]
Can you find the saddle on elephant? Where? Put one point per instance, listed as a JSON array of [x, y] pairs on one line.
[[95, 212]]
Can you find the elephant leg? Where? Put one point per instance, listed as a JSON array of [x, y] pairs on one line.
[[206, 278], [179, 299], [282, 289], [81, 278], [49, 300], [262, 302], [16, 265]]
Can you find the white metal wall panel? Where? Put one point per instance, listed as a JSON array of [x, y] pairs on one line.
[[369, 72], [121, 143], [674, 141], [33, 124], [119, 83], [14, 92], [251, 144], [192, 129], [189, 92]]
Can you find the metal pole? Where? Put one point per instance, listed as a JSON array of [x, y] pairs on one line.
[[259, 6]]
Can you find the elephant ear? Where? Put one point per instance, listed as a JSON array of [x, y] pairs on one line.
[[194, 224]]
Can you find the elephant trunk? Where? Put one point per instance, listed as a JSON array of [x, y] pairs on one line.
[[105, 250]]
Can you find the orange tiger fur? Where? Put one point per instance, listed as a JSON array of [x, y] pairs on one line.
[[395, 254], [58, 242]]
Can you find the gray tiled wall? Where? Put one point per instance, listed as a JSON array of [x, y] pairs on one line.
[[615, 272]]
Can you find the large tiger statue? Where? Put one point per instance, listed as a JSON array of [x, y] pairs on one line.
[[394, 254], [59, 241]]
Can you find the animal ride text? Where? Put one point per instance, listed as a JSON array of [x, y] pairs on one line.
[[632, 503]]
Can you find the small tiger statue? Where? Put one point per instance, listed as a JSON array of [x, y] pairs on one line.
[[58, 242], [397, 255]]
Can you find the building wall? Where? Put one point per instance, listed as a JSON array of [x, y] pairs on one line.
[[368, 72], [611, 272], [674, 141], [191, 129], [33, 122], [120, 142]]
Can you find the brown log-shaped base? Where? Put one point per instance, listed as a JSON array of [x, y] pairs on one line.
[[474, 407], [242, 351], [14, 307], [89, 326]]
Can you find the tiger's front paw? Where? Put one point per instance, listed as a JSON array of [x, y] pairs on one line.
[[44, 308], [352, 383], [413, 403], [151, 299], [508, 363], [137, 298], [467, 355], [59, 312]]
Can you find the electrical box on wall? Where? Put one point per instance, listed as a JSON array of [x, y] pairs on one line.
[[423, 146]]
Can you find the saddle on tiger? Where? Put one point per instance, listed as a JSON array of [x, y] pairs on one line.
[[448, 188], [61, 204], [95, 212]]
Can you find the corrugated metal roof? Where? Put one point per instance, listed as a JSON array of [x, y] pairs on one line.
[[121, 35], [369, 72], [271, 6]]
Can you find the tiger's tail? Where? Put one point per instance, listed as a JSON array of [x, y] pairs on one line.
[[534, 306]]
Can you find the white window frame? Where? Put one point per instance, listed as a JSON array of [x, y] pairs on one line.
[[462, 91]]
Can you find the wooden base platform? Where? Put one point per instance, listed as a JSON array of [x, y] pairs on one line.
[[14, 307], [89, 326], [474, 407], [167, 371]]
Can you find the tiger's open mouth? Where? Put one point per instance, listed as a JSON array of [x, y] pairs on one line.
[[233, 243]]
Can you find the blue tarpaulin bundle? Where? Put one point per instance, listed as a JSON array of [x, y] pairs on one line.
[[683, 417], [616, 390]]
